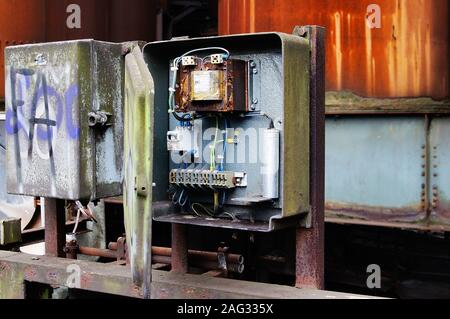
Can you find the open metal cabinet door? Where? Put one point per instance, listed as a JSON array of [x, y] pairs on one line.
[[138, 159]]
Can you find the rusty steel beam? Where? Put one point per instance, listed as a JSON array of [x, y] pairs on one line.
[[55, 224], [17, 268], [179, 248], [310, 242]]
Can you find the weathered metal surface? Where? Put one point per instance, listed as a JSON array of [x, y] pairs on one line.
[[12, 206], [408, 56], [138, 157], [107, 20], [284, 96], [94, 22], [16, 268], [376, 168], [10, 231], [179, 260], [51, 89], [439, 191], [55, 224], [22, 21], [310, 270], [346, 103], [160, 255]]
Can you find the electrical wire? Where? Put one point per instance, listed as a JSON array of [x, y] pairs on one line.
[[77, 221], [272, 123], [206, 210]]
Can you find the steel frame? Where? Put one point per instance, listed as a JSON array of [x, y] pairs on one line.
[[16, 269]]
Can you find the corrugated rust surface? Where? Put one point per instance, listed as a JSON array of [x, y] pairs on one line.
[[407, 57], [108, 20], [94, 20], [21, 21], [35, 21]]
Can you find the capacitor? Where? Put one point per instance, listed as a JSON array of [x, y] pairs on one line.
[[270, 163]]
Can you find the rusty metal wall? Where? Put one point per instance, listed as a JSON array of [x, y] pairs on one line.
[[407, 57], [33, 21], [108, 20], [94, 20], [385, 151], [21, 21]]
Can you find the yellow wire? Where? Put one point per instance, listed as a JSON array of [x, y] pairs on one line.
[[208, 212]]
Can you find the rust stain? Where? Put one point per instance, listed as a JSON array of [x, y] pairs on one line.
[[30, 273], [53, 277], [22, 21], [440, 214], [33, 21], [409, 56], [412, 214]]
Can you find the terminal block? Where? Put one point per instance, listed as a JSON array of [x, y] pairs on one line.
[[207, 179]]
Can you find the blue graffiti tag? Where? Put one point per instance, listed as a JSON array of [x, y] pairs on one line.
[[42, 90]]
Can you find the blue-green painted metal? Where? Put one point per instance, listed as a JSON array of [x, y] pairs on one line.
[[376, 168]]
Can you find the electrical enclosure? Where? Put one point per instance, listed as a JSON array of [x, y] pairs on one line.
[[64, 122], [243, 101]]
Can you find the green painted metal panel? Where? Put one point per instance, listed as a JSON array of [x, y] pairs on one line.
[[138, 158]]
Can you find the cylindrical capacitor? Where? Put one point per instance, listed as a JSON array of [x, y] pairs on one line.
[[270, 163]]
